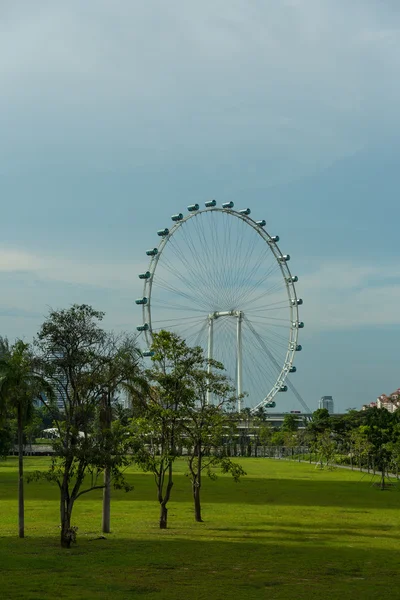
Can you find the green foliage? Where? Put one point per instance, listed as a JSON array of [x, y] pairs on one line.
[[20, 386], [88, 367], [290, 423], [7, 436], [177, 415], [325, 447], [158, 431]]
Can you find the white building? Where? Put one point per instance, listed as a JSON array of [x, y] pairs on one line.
[[327, 402]]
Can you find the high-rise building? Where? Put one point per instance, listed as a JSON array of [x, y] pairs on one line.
[[327, 402]]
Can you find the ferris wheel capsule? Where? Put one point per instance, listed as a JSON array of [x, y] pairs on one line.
[[177, 217], [297, 302], [292, 279], [141, 300], [163, 232], [284, 258], [210, 203], [292, 370], [193, 207], [283, 388], [275, 238], [298, 324], [144, 327], [261, 223], [228, 204], [147, 353], [145, 275], [152, 252], [245, 211]]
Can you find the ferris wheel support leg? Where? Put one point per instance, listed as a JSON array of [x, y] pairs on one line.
[[210, 351], [239, 359]]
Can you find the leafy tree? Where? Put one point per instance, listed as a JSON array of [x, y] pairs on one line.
[[290, 423], [85, 365], [261, 414], [277, 438], [19, 388], [320, 423], [325, 447], [382, 433], [158, 429], [360, 446], [121, 372], [290, 440], [265, 432], [205, 426]]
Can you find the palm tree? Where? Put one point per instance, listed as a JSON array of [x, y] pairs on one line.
[[19, 387]]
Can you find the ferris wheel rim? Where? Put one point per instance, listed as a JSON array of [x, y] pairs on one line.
[[284, 270]]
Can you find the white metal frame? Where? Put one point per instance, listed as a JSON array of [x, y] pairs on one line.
[[290, 288]]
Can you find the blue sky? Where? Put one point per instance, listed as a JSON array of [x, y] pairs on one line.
[[114, 115]]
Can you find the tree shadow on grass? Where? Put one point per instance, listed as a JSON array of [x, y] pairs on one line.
[[170, 568]]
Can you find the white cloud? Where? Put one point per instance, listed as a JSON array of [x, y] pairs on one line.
[[64, 270]]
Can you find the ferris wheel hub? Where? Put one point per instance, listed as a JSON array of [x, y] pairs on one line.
[[225, 313]]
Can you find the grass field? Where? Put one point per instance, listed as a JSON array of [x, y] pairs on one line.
[[286, 530]]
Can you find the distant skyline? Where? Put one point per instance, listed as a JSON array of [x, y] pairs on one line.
[[115, 115]]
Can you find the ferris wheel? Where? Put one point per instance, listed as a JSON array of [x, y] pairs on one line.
[[218, 279]]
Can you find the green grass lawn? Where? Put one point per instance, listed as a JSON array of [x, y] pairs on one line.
[[286, 530]]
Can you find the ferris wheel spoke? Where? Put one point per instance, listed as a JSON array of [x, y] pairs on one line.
[[253, 286], [270, 352], [195, 297], [278, 286], [193, 301], [201, 272], [261, 368], [179, 320]]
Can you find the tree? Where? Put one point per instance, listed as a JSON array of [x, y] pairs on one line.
[[264, 433], [359, 443], [205, 426], [325, 447], [121, 372], [290, 423], [19, 387], [85, 365], [320, 423], [157, 430], [381, 431]]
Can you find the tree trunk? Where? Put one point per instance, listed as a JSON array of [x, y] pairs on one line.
[[21, 517], [197, 504], [164, 499], [383, 478], [196, 484], [163, 516], [106, 501], [66, 505]]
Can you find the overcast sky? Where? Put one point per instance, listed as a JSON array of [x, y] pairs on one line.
[[115, 114]]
